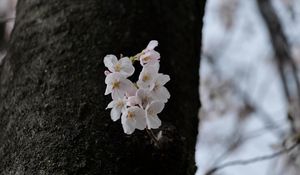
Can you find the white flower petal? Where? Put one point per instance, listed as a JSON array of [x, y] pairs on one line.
[[161, 93], [152, 44], [110, 61], [110, 105], [108, 90], [132, 101], [127, 124], [144, 97], [141, 123], [128, 87], [152, 69], [109, 78], [106, 72], [140, 93], [112, 77], [142, 84], [116, 94], [118, 85], [162, 79], [153, 122], [147, 76], [125, 61], [154, 55], [154, 66], [152, 110], [139, 117], [155, 107], [127, 68], [115, 114], [149, 57]]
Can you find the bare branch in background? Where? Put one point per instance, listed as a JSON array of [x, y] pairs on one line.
[[285, 62], [264, 116], [252, 160]]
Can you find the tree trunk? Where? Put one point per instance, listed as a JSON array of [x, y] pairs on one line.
[[52, 108]]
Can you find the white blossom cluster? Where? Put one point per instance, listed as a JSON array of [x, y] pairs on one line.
[[136, 103]]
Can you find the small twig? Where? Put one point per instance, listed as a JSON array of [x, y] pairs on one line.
[[251, 160], [152, 136], [5, 20]]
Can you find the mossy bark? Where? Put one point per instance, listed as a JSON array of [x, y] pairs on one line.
[[52, 104]]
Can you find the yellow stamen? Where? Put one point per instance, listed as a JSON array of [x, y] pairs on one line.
[[116, 85], [146, 58], [146, 77], [120, 104], [118, 67], [145, 100], [130, 115]]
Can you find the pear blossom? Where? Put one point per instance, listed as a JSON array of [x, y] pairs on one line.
[[151, 114], [133, 118], [149, 55], [123, 66], [158, 90], [117, 106], [147, 75], [118, 85]]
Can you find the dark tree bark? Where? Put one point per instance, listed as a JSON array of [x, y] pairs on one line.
[[52, 108]]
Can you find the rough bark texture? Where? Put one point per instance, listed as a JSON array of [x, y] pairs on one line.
[[52, 108]]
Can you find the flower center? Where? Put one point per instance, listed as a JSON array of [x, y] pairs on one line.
[[116, 85], [118, 67], [145, 100], [130, 115], [146, 77], [156, 86], [146, 58], [120, 104]]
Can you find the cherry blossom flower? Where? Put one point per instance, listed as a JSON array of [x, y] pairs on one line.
[[123, 66], [118, 106], [149, 55], [133, 118], [147, 75], [151, 114], [133, 101], [142, 98], [118, 86], [137, 104], [158, 90]]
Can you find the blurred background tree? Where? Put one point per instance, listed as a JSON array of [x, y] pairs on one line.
[[250, 88]]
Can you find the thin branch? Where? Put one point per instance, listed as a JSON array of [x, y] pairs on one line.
[[281, 47], [5, 20], [252, 160], [152, 136], [263, 115]]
